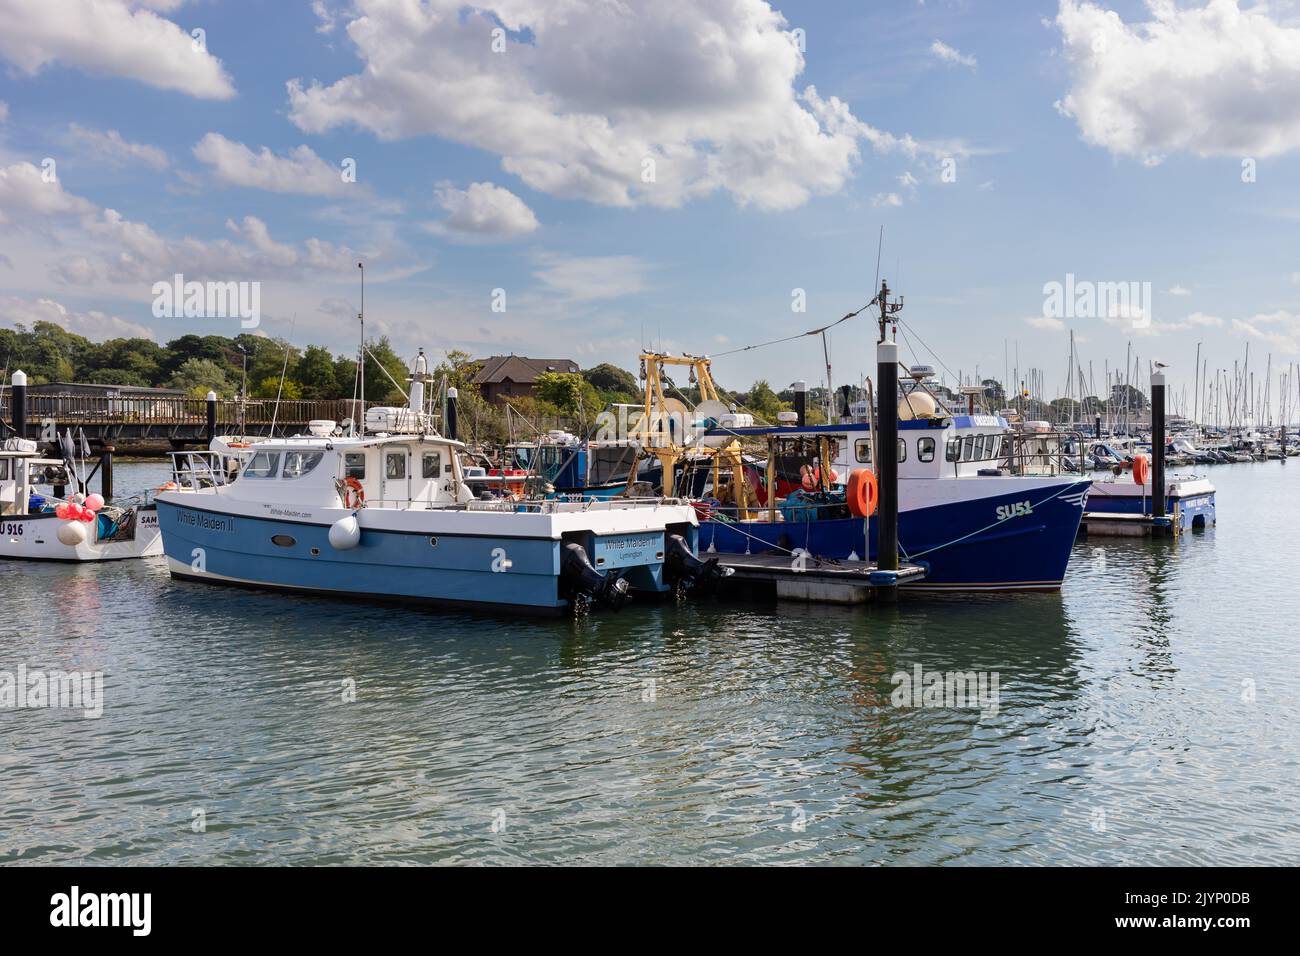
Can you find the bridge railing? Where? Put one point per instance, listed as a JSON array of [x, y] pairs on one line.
[[174, 410]]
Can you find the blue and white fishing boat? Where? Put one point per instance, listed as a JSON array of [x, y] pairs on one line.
[[383, 511], [983, 506]]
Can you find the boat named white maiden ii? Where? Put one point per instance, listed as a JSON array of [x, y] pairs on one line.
[[384, 511]]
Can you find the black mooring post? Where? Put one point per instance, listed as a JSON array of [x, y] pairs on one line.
[[106, 473], [887, 461], [1158, 444], [1096, 427], [800, 402], [451, 423], [18, 401], [212, 417]]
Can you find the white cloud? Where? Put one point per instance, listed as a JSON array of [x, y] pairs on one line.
[[1211, 79], [886, 199], [109, 37], [484, 211], [593, 277], [300, 171], [1045, 322], [74, 270], [1178, 290], [1280, 330], [24, 192], [951, 55], [1130, 319], [93, 325], [702, 89], [109, 145]]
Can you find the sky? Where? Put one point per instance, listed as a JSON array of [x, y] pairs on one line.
[[581, 178]]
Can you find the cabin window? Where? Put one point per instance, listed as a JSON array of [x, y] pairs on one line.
[[283, 540], [264, 464], [968, 448], [925, 449], [902, 449], [982, 447], [299, 463], [862, 448], [4, 469], [395, 465], [952, 452], [432, 464], [354, 465]]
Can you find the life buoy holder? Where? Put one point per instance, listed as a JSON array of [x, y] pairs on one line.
[[863, 493], [353, 495], [1141, 469]]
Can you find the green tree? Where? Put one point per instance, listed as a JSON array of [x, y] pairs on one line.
[[315, 372], [572, 395], [270, 387], [198, 376], [380, 357], [610, 378], [762, 402]]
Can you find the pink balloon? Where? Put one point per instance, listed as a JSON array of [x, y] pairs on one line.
[[94, 502], [62, 511]]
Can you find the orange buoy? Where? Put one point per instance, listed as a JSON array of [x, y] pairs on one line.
[[862, 493], [1141, 469]]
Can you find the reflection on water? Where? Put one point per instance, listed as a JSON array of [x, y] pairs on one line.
[[1146, 714]]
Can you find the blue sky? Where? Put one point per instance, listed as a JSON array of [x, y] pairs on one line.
[[1104, 140]]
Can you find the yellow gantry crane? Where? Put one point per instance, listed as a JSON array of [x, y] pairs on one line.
[[667, 440]]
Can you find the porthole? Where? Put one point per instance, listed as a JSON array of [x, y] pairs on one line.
[[283, 540], [315, 551], [433, 542]]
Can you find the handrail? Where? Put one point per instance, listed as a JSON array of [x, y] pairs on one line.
[[173, 409]]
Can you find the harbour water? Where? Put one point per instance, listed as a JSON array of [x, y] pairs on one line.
[[1145, 714]]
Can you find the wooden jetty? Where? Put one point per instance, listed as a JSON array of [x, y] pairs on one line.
[[164, 423]]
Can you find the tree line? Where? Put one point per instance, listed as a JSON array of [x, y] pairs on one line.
[[262, 367]]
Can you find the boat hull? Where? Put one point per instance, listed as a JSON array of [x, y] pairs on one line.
[[1017, 539], [34, 537], [1191, 502], [458, 558]]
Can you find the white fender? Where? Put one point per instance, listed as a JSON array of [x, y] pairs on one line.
[[72, 533], [345, 533]]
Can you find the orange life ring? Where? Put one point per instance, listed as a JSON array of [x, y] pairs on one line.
[[863, 493], [1141, 469], [355, 496], [167, 486]]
